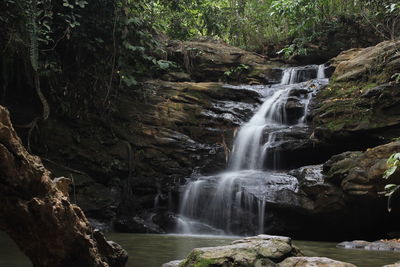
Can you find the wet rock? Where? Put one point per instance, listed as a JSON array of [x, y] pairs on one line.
[[166, 220], [299, 92], [294, 147], [262, 250], [313, 261], [345, 190], [294, 109], [384, 245], [308, 175], [354, 244], [135, 224], [172, 263], [247, 252], [103, 226], [116, 255], [397, 264]]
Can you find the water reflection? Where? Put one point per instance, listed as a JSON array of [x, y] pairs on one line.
[[153, 250]]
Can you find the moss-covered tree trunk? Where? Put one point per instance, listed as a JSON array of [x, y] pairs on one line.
[[46, 226]]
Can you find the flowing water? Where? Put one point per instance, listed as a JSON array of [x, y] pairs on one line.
[[232, 201], [153, 250], [235, 199]]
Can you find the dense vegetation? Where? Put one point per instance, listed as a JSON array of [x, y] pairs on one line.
[[77, 54]]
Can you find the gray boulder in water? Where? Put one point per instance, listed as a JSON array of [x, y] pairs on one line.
[[260, 251]]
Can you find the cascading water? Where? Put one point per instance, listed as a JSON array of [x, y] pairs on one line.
[[235, 200]]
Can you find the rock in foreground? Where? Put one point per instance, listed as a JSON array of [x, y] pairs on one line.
[[313, 262], [49, 229], [262, 250], [397, 264]]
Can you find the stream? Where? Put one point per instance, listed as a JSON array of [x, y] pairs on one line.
[[147, 250]]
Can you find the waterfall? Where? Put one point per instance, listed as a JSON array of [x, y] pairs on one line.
[[236, 199], [321, 72]]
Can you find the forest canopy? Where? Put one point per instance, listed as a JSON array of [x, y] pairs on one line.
[[55, 47]]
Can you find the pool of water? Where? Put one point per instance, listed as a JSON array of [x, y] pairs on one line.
[[153, 250]]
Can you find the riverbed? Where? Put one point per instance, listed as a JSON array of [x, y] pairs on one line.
[[147, 250]]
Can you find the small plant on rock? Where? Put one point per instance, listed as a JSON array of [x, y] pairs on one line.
[[393, 163]]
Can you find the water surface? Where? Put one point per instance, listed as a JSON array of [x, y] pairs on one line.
[[152, 250]]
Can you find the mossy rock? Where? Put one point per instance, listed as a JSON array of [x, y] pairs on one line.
[[361, 97], [253, 251]]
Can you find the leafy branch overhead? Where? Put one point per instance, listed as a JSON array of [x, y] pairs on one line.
[[78, 54]]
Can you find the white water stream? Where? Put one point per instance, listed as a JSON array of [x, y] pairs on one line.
[[235, 200]]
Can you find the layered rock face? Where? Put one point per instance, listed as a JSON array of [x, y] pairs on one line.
[[356, 111], [344, 191], [123, 165], [360, 107], [216, 61], [39, 217], [127, 166]]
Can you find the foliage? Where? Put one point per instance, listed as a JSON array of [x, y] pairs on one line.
[[392, 164], [396, 78], [383, 16], [254, 24], [236, 72], [80, 53]]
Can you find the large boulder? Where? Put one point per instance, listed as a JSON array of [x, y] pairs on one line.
[[360, 173], [254, 251], [259, 251], [47, 227], [360, 108], [357, 64]]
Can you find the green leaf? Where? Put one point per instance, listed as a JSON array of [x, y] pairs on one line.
[[134, 48], [135, 21], [129, 80], [389, 172], [164, 64], [390, 187], [394, 160]]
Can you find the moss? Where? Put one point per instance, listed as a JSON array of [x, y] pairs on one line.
[[341, 106], [256, 72], [194, 260]]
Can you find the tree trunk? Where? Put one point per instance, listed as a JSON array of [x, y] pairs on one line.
[[39, 217]]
